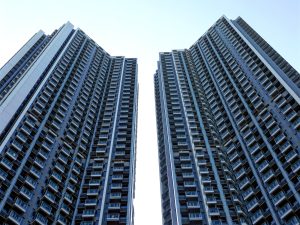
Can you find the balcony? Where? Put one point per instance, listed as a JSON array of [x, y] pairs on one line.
[[116, 186], [273, 186], [232, 188], [40, 219], [279, 139], [274, 130], [286, 146], [96, 174], [291, 116], [195, 216], [71, 188], [62, 220], [239, 210], [254, 149], [26, 130], [113, 217], [186, 166], [240, 120], [184, 158], [244, 182], [240, 173], [257, 217], [258, 157], [118, 169], [6, 163], [230, 149], [114, 205], [76, 170], [117, 177], [15, 218], [272, 90], [291, 155], [3, 174], [88, 213], [46, 146], [46, 208], [56, 124], [74, 178], [65, 208], [31, 182], [40, 163], [214, 212], [21, 137], [94, 183], [225, 134], [92, 192], [120, 153], [16, 145], [246, 194], [285, 210], [60, 167], [90, 202], [267, 176], [250, 141], [266, 116], [30, 122], [270, 123], [297, 124], [50, 139], [188, 184], [281, 102], [50, 196], [98, 165], [54, 186], [187, 175], [115, 195], [278, 198], [252, 204], [206, 180], [35, 172], [21, 205], [203, 170], [43, 154], [233, 157], [56, 176], [293, 221], [68, 198], [202, 162], [26, 193], [191, 194], [66, 153], [71, 137], [263, 166], [296, 166], [211, 200], [236, 164], [208, 189], [12, 154]]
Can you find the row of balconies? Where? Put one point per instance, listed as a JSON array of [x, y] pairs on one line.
[[267, 177]]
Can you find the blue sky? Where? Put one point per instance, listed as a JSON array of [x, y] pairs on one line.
[[139, 28], [142, 29]]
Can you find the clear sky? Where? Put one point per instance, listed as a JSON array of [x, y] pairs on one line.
[[143, 28]]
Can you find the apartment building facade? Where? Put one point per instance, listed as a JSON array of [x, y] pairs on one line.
[[68, 120], [228, 127]]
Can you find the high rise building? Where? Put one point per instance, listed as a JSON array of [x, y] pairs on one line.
[[68, 117], [228, 125]]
